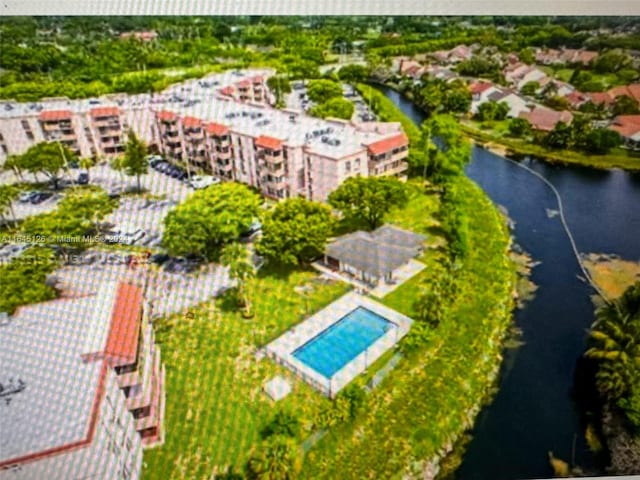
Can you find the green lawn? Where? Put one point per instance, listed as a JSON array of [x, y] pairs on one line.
[[431, 396], [215, 408], [564, 74]]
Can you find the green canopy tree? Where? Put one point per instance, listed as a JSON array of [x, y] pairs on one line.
[[284, 423], [354, 73], [209, 219], [625, 105], [367, 199], [519, 127], [236, 257], [452, 151], [530, 88], [277, 458], [49, 158], [437, 294], [89, 204], [322, 90], [87, 163], [295, 231], [134, 162], [335, 107]]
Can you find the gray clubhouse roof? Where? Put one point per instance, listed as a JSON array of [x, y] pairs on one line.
[[377, 253]]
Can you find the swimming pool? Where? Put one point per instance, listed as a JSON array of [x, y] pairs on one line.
[[333, 348]]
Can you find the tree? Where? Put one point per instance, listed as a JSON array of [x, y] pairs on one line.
[[492, 110], [557, 103], [117, 163], [335, 107], [134, 162], [49, 158], [559, 137], [601, 140], [236, 258], [615, 343], [368, 199], [611, 62], [322, 90], [90, 204], [13, 163], [530, 88], [354, 73], [295, 231], [519, 127], [8, 194], [437, 294], [283, 423], [209, 219], [277, 458], [280, 85], [527, 55], [451, 153], [625, 105]]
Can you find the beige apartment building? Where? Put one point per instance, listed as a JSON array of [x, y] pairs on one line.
[[283, 153], [97, 127], [81, 387]]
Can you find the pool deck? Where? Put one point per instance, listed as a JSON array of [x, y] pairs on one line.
[[282, 348]]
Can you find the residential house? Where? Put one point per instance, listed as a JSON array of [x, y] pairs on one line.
[[628, 126], [373, 257], [631, 91], [519, 75], [545, 119], [146, 36], [576, 99], [600, 98], [481, 92]]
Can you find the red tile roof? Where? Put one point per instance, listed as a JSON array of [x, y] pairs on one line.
[[545, 119], [271, 143], [228, 90], [600, 97], [166, 116], [105, 111], [257, 79], [243, 83], [387, 144], [626, 125], [217, 129], [191, 122], [632, 91], [52, 115], [124, 333], [576, 98], [479, 87]]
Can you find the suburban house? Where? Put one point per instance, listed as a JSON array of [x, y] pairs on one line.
[[631, 91], [628, 126], [576, 99], [146, 36], [545, 119], [455, 55], [481, 92], [600, 98], [520, 74], [566, 55], [373, 257]]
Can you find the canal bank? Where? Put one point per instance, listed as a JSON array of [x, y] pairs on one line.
[[534, 412]]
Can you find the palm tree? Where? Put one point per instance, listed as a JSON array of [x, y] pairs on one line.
[[615, 340], [279, 458], [236, 257]]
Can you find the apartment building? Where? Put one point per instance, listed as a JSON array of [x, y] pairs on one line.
[[283, 153], [97, 127], [81, 387]]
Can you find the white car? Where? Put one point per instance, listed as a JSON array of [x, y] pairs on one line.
[[203, 181]]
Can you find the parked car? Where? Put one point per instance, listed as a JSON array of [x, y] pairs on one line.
[[182, 265], [254, 229], [83, 178], [203, 181], [159, 258], [40, 197], [163, 167], [155, 160], [25, 197]]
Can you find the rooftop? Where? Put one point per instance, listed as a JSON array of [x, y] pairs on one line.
[[328, 138], [48, 381]]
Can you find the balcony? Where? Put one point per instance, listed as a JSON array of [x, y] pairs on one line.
[[275, 183], [223, 153], [276, 169], [108, 122], [225, 166], [390, 168]]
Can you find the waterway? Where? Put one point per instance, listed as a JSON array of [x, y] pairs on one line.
[[534, 412]]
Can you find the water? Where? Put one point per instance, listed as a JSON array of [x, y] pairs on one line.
[[331, 350], [533, 412]]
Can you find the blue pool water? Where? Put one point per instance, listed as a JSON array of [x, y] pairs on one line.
[[336, 346]]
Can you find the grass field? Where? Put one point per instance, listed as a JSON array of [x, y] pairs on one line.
[[215, 407]]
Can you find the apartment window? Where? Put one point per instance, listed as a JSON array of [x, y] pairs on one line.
[[25, 125], [4, 149], [347, 166], [126, 474], [357, 164]]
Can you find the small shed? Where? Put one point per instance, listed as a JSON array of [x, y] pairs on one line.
[[277, 388]]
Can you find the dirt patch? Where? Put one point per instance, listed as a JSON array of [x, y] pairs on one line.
[[612, 274]]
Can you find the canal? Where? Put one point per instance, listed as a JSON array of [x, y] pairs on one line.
[[533, 412]]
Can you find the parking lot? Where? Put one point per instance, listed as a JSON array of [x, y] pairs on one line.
[[169, 293]]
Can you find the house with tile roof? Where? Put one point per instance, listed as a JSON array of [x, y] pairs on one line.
[[544, 119], [628, 126]]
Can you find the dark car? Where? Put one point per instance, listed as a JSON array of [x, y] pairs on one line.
[[176, 172], [159, 258], [183, 176], [161, 166], [83, 178], [186, 264], [153, 162], [74, 164], [40, 197]]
